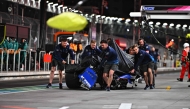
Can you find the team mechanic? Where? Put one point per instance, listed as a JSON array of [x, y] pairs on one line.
[[145, 61], [110, 63], [60, 55], [91, 50], [143, 45]]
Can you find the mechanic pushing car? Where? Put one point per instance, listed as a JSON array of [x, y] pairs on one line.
[[185, 63], [60, 55], [145, 61], [91, 49], [110, 63]]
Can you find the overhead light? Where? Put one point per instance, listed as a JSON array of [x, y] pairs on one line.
[[64, 7], [127, 20], [171, 24], [50, 3], [60, 6], [184, 26], [135, 21], [158, 23], [143, 22], [97, 15], [56, 4], [165, 24], [103, 16], [112, 18], [150, 23], [135, 14], [178, 25], [127, 29], [120, 19], [156, 31], [47, 1], [76, 11]]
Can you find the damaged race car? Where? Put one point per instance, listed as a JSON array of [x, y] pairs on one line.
[[89, 72]]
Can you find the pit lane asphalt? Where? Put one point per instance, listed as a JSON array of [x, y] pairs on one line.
[[169, 94]]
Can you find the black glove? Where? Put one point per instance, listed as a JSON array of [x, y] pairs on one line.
[[183, 64]]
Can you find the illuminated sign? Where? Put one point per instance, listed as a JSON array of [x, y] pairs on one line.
[[148, 8]]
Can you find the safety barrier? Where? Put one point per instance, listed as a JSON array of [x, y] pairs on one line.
[[1, 59], [19, 60], [167, 63], [29, 58]]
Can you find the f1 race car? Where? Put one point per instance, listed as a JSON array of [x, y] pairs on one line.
[[89, 72]]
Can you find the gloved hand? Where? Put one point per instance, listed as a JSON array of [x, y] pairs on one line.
[[183, 64]]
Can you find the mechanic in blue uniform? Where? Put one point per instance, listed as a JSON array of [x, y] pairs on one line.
[[91, 50], [156, 57], [143, 45], [110, 62], [145, 62], [59, 57]]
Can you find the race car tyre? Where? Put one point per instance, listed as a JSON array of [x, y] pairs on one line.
[[72, 81]]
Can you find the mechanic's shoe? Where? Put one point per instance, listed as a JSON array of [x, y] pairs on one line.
[[180, 79], [188, 80], [107, 88], [155, 75], [49, 85], [60, 86], [188, 85], [146, 87], [151, 87]]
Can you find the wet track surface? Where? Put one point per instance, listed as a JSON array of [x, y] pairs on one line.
[[32, 94]]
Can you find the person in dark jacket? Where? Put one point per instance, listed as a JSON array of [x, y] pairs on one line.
[[156, 57], [143, 45], [145, 62], [91, 50], [110, 62], [59, 57]]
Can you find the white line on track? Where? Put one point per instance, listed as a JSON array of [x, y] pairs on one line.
[[64, 107], [125, 106]]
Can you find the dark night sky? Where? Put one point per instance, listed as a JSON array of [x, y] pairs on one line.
[[127, 6]]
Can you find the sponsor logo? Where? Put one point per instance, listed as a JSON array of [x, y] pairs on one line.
[[85, 81], [148, 8]]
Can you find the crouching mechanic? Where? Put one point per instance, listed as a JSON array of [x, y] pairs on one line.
[[110, 62], [60, 55], [91, 50], [145, 62]]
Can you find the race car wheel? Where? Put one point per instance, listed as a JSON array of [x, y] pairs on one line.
[[72, 81]]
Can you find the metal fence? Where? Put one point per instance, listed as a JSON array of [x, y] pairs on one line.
[[30, 63]]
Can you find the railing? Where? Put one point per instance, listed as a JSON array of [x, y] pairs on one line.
[[29, 58]]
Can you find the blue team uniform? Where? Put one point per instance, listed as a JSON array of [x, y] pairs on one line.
[[110, 56], [88, 51], [145, 47], [61, 53], [155, 56], [143, 58]]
